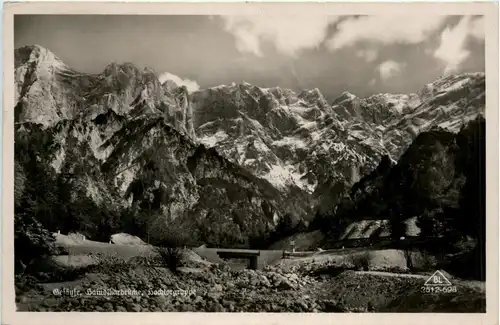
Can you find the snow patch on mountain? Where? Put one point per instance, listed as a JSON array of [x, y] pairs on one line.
[[456, 85], [289, 141], [279, 176], [211, 141]]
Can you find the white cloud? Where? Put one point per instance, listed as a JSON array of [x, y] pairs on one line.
[[389, 69], [452, 48], [385, 29], [190, 84], [477, 28], [369, 55], [289, 34]]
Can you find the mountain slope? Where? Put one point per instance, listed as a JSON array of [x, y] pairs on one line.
[[439, 180], [152, 176], [300, 140], [122, 158], [223, 163]]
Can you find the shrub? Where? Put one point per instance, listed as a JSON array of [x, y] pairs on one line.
[[170, 248], [171, 256], [361, 261], [31, 242], [169, 240]]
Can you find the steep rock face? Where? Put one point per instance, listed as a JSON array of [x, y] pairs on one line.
[[155, 167], [377, 109], [48, 91], [300, 140], [291, 140]]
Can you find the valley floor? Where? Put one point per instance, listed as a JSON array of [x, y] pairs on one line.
[[321, 283]]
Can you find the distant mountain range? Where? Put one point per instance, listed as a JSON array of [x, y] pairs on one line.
[[225, 163]]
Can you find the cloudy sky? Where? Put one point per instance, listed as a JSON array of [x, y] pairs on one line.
[[362, 54]]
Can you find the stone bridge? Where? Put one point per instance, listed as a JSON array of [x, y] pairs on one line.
[[257, 258]]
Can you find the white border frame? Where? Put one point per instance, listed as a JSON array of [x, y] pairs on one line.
[[488, 9]]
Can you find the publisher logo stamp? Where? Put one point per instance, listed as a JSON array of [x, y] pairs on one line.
[[438, 283]]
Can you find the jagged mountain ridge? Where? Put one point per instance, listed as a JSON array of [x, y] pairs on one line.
[[259, 127], [302, 140], [287, 138], [310, 152], [48, 91]]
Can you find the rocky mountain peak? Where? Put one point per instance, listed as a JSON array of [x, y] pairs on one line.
[[345, 96], [170, 85], [47, 92], [314, 97], [37, 55]]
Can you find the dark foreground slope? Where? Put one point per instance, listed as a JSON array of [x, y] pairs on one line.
[[153, 177], [440, 180]]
